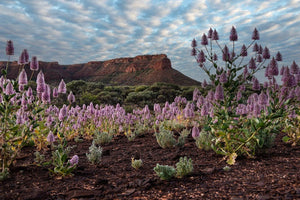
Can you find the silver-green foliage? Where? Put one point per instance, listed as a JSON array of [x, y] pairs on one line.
[[95, 154], [103, 138], [165, 172], [183, 135], [184, 167], [204, 140], [136, 164], [165, 138]]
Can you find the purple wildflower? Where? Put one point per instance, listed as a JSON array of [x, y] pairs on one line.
[[50, 137], [29, 92], [201, 57], [71, 97], [273, 68], [55, 92], [74, 160], [46, 94], [244, 51], [23, 78], [196, 94], [278, 56], [262, 99], [62, 87], [210, 33], [157, 108], [233, 34], [9, 90], [195, 132], [256, 110], [204, 110], [255, 85], [40, 81], [215, 35], [204, 40], [223, 78], [255, 34], [290, 81], [34, 64], [9, 48], [194, 43], [255, 47], [226, 53], [252, 64], [266, 53], [259, 59], [294, 68], [62, 113], [219, 94]]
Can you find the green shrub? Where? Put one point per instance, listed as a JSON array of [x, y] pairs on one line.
[[95, 154], [102, 138], [165, 138], [184, 167], [165, 172]]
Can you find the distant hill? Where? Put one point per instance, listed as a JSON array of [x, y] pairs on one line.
[[142, 69]]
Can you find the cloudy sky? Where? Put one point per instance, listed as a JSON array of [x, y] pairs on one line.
[[78, 31]]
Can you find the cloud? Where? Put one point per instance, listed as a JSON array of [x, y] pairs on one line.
[[79, 31]]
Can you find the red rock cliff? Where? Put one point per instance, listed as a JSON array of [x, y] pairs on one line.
[[120, 70]]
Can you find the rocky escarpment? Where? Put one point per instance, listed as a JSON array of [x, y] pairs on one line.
[[142, 69]]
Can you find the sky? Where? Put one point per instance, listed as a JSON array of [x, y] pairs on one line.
[[79, 31]]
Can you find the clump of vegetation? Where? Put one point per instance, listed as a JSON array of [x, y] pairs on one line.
[[136, 163], [102, 137], [95, 154], [184, 167], [165, 138], [165, 172]]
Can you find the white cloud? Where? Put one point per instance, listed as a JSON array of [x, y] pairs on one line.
[[80, 31]]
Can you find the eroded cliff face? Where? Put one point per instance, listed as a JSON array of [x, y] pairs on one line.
[[142, 69]]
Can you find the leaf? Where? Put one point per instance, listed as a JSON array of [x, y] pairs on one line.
[[286, 139]]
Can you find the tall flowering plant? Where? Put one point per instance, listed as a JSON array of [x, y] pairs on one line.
[[238, 124], [19, 116]]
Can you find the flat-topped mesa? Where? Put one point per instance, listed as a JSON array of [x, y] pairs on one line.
[[156, 62], [141, 69]]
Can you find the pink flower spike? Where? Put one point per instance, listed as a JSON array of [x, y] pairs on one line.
[[252, 64], [266, 53], [219, 94], [23, 78], [9, 48], [255, 34], [201, 57], [194, 43], [34, 64], [195, 132], [204, 40], [74, 160], [278, 56], [233, 34], [210, 33], [215, 35], [244, 51], [62, 87], [55, 92], [50, 137]]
